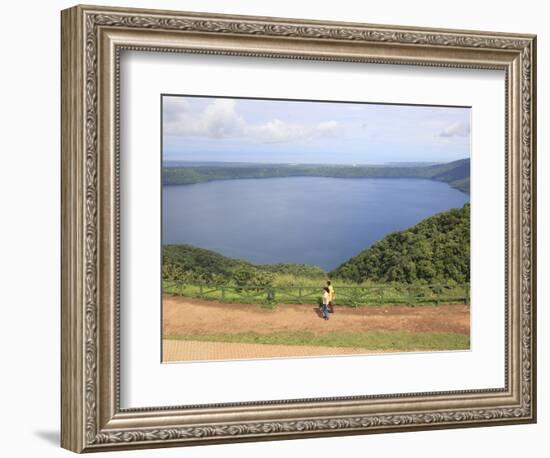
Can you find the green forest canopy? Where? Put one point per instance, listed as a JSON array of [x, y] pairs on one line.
[[435, 250], [186, 262]]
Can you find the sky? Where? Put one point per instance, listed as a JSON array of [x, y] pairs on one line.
[[288, 131]]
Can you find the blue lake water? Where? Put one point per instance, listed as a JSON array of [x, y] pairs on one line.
[[309, 220]]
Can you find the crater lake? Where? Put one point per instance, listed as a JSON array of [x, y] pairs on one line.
[[306, 220]]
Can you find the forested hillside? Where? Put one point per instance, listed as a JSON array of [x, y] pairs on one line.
[[435, 250], [192, 264], [456, 173]]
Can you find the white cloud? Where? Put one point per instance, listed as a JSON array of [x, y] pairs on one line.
[[174, 107], [457, 129], [220, 120], [329, 127], [276, 131]]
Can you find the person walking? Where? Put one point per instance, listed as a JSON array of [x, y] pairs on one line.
[[332, 296], [326, 300]]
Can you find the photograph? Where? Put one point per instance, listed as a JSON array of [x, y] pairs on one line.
[[307, 228]]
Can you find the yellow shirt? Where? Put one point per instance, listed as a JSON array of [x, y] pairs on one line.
[[331, 293]]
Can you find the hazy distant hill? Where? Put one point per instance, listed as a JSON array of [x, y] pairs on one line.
[[456, 173], [435, 250], [457, 176]]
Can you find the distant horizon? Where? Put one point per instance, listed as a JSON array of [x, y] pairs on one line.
[[311, 163], [246, 130]]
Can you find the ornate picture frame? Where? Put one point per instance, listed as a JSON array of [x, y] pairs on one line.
[[93, 39]]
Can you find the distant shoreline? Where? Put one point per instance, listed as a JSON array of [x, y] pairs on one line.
[[456, 173], [467, 192]]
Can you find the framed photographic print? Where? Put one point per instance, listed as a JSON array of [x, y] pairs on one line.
[[268, 206], [277, 228]]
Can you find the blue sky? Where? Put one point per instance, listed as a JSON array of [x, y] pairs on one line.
[[259, 130]]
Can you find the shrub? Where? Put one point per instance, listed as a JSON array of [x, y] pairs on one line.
[[246, 277]]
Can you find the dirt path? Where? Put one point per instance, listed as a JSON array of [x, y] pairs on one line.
[[189, 350], [185, 316]]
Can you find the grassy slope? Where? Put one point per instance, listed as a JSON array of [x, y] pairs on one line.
[[347, 293]]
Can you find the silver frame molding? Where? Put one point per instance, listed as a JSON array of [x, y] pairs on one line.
[[92, 40]]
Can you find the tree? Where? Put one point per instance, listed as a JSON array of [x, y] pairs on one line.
[[435, 250]]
